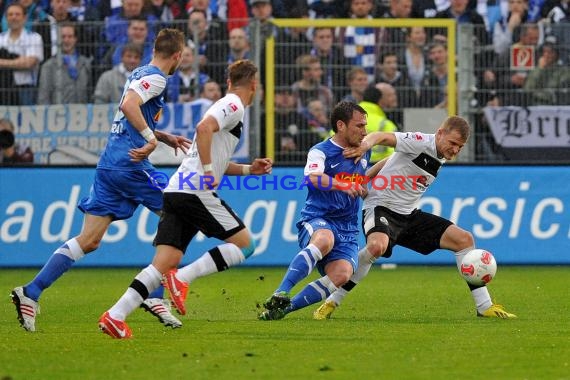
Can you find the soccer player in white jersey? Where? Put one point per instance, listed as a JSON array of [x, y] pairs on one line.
[[391, 216], [121, 179], [328, 228], [192, 205]]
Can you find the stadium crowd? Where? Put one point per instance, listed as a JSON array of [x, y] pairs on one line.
[[82, 51]]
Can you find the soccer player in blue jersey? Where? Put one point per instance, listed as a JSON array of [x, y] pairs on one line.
[[328, 228], [122, 177]]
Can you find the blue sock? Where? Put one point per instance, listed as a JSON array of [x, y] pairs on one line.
[[56, 266], [314, 292], [157, 293], [302, 264]]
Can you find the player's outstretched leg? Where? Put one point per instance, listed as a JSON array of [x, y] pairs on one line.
[[112, 322], [314, 292], [365, 261], [217, 259], [26, 298], [481, 297]]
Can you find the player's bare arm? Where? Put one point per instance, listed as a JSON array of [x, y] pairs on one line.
[[371, 139], [174, 141], [131, 107], [260, 166], [375, 169], [204, 133]]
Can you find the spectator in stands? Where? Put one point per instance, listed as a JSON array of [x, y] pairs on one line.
[[309, 86], [33, 11], [361, 44], [396, 37], [388, 72], [503, 33], [427, 8], [163, 11], [184, 85], [317, 119], [211, 90], [327, 8], [549, 82], [21, 53], [290, 43], [509, 81], [437, 82], [291, 129], [65, 78], [357, 81], [211, 49], [377, 121], [389, 103], [216, 28], [262, 12], [48, 30], [238, 49], [11, 152], [415, 60], [462, 13], [332, 59], [111, 83], [116, 25], [137, 33]]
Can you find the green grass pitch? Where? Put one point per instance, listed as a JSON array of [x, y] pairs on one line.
[[407, 323]]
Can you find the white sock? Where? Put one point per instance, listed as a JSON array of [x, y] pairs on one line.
[[73, 251], [215, 260], [365, 261], [482, 298], [460, 255], [149, 278]]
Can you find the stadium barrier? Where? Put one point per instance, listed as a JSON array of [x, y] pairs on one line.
[[522, 215]]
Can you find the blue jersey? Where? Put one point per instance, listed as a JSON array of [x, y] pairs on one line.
[[333, 205], [150, 84]]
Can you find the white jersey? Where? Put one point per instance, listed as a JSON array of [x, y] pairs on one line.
[[407, 174], [229, 113]]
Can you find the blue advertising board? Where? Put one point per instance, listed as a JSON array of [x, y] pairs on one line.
[[520, 213]]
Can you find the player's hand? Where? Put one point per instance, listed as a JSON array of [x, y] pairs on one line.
[[357, 152], [261, 166], [210, 181], [356, 190], [176, 142], [139, 154]]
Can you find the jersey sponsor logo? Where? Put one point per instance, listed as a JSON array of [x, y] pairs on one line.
[[313, 166], [233, 107], [418, 136], [335, 165], [145, 85]]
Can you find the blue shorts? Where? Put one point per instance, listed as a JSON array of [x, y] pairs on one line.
[[345, 242], [117, 194]]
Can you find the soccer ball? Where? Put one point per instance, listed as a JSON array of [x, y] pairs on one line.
[[478, 267]]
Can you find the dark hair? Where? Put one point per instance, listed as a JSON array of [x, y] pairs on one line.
[[168, 42], [241, 72], [372, 94], [343, 111], [387, 53]]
